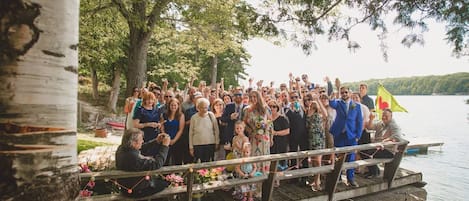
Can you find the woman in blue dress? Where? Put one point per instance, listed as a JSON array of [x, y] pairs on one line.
[[147, 119], [171, 124]]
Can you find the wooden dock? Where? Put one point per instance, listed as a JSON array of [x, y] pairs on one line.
[[290, 190], [421, 148]]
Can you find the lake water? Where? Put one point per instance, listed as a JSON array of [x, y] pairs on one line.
[[438, 119]]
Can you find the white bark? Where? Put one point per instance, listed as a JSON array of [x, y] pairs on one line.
[[40, 87], [116, 85], [39, 90]]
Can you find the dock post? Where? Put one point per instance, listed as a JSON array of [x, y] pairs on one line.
[[190, 183], [333, 177], [268, 185], [390, 168]]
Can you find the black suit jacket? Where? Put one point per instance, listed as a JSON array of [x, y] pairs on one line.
[[226, 118]]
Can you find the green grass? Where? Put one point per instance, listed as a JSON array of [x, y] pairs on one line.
[[86, 144]]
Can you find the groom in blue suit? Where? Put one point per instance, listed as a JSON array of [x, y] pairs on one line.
[[347, 126]]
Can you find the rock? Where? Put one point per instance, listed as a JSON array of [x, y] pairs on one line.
[[99, 158]]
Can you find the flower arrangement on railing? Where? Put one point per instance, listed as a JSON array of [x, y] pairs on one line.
[[207, 175], [87, 191], [175, 180]]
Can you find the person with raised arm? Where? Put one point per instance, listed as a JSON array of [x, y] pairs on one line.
[[386, 130], [347, 127]]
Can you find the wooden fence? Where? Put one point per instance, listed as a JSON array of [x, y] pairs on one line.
[[332, 171]]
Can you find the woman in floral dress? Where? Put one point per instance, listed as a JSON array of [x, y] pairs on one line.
[[315, 115], [259, 128]]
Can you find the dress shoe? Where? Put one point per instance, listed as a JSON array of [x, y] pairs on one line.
[[354, 184]]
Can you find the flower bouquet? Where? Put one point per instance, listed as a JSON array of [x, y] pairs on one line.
[[87, 191], [262, 128], [207, 175], [175, 180]]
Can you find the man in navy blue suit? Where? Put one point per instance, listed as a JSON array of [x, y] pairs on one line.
[[232, 113], [347, 126]]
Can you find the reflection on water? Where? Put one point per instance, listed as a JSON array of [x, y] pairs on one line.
[[438, 119]]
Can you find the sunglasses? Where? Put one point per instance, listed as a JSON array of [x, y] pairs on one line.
[[168, 96], [239, 95], [308, 100]]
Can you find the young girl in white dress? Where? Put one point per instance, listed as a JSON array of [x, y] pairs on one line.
[[239, 139]]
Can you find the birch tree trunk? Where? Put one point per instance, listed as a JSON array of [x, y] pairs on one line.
[[116, 84], [94, 83], [38, 99], [214, 71]]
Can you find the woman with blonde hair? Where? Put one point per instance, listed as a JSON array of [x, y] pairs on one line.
[[129, 104], [259, 127], [316, 114]]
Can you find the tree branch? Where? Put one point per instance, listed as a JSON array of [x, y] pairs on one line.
[[124, 11], [292, 18], [95, 10], [368, 16], [155, 13], [328, 10], [196, 26]]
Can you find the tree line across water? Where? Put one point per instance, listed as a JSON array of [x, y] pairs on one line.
[[451, 84], [129, 42]]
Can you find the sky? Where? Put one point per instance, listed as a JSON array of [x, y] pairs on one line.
[[333, 59]]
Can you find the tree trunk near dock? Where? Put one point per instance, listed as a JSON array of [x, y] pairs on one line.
[[141, 27], [137, 69], [94, 83], [38, 99], [214, 71], [116, 83]]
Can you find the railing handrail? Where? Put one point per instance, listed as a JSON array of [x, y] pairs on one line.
[[332, 171], [115, 174]]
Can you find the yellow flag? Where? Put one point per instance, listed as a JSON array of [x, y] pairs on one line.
[[384, 99]]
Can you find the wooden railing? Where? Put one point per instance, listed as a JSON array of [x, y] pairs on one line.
[[332, 172]]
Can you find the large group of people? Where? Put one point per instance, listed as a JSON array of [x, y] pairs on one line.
[[205, 123]]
